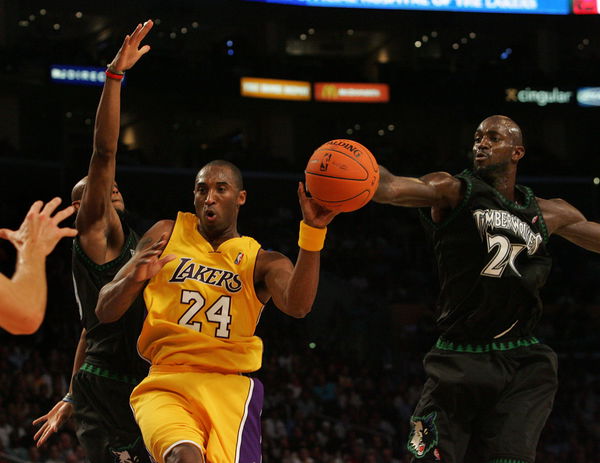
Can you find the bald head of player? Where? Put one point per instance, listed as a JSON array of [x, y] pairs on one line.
[[79, 189], [497, 148]]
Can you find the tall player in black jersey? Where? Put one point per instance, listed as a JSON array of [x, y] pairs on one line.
[[491, 383], [107, 366]]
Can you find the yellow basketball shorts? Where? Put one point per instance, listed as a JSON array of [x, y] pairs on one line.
[[218, 413]]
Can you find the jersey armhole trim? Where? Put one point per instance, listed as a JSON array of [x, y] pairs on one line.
[[456, 211], [543, 226], [252, 274], [121, 258]]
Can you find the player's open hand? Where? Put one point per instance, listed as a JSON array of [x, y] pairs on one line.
[[39, 232], [313, 213], [147, 261], [52, 421], [130, 52]]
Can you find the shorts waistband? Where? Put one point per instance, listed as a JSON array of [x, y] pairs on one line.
[[104, 373], [444, 344]]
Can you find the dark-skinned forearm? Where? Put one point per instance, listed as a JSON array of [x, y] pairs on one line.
[[301, 290], [116, 297], [584, 234], [382, 193], [79, 357], [108, 119]]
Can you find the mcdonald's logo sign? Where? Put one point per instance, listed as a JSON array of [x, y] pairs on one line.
[[349, 92]]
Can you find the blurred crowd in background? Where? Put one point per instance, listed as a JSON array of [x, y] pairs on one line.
[[340, 385]]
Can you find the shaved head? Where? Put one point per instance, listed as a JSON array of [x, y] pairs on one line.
[[78, 189], [511, 126], [236, 174]]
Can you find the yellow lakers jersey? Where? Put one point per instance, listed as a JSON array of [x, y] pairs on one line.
[[202, 306]]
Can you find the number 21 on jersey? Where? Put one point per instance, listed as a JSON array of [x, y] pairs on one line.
[[219, 313], [506, 254]]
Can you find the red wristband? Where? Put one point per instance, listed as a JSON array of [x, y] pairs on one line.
[[112, 75]]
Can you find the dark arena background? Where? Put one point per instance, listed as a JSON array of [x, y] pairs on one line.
[[340, 384]]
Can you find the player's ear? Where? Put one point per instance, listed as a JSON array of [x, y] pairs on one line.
[[241, 198], [76, 204], [518, 153]]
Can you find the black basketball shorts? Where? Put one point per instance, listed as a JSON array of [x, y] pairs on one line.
[[105, 425], [484, 407]]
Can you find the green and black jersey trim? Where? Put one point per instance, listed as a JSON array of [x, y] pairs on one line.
[[443, 344], [118, 262], [529, 197], [456, 211], [104, 373], [543, 227]]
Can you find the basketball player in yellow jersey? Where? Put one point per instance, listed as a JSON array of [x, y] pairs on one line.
[[205, 287]]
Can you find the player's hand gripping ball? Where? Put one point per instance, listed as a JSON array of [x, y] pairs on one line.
[[342, 175]]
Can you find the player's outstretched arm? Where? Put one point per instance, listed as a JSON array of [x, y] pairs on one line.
[[294, 287], [23, 298], [438, 189], [118, 295], [565, 220], [101, 234]]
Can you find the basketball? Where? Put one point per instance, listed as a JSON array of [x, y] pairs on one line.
[[342, 175]]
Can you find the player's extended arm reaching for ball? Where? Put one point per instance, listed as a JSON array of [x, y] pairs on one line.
[[444, 192]]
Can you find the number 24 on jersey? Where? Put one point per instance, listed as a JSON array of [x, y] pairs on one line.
[[219, 313]]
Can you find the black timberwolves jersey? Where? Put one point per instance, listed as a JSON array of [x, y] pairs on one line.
[[111, 345], [492, 261]]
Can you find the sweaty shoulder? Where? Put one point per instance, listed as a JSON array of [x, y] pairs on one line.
[[558, 213], [449, 189]]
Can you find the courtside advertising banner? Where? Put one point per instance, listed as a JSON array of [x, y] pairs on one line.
[[539, 97], [588, 96], [474, 6], [586, 6], [78, 75], [353, 93], [275, 89]]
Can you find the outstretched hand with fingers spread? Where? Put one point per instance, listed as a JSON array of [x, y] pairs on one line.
[[52, 421], [130, 52], [39, 232], [147, 261]]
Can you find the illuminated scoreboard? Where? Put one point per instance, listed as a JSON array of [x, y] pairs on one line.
[[586, 6], [474, 6]]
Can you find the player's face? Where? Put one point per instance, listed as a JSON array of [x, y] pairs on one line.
[[217, 199], [117, 198], [493, 144]]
